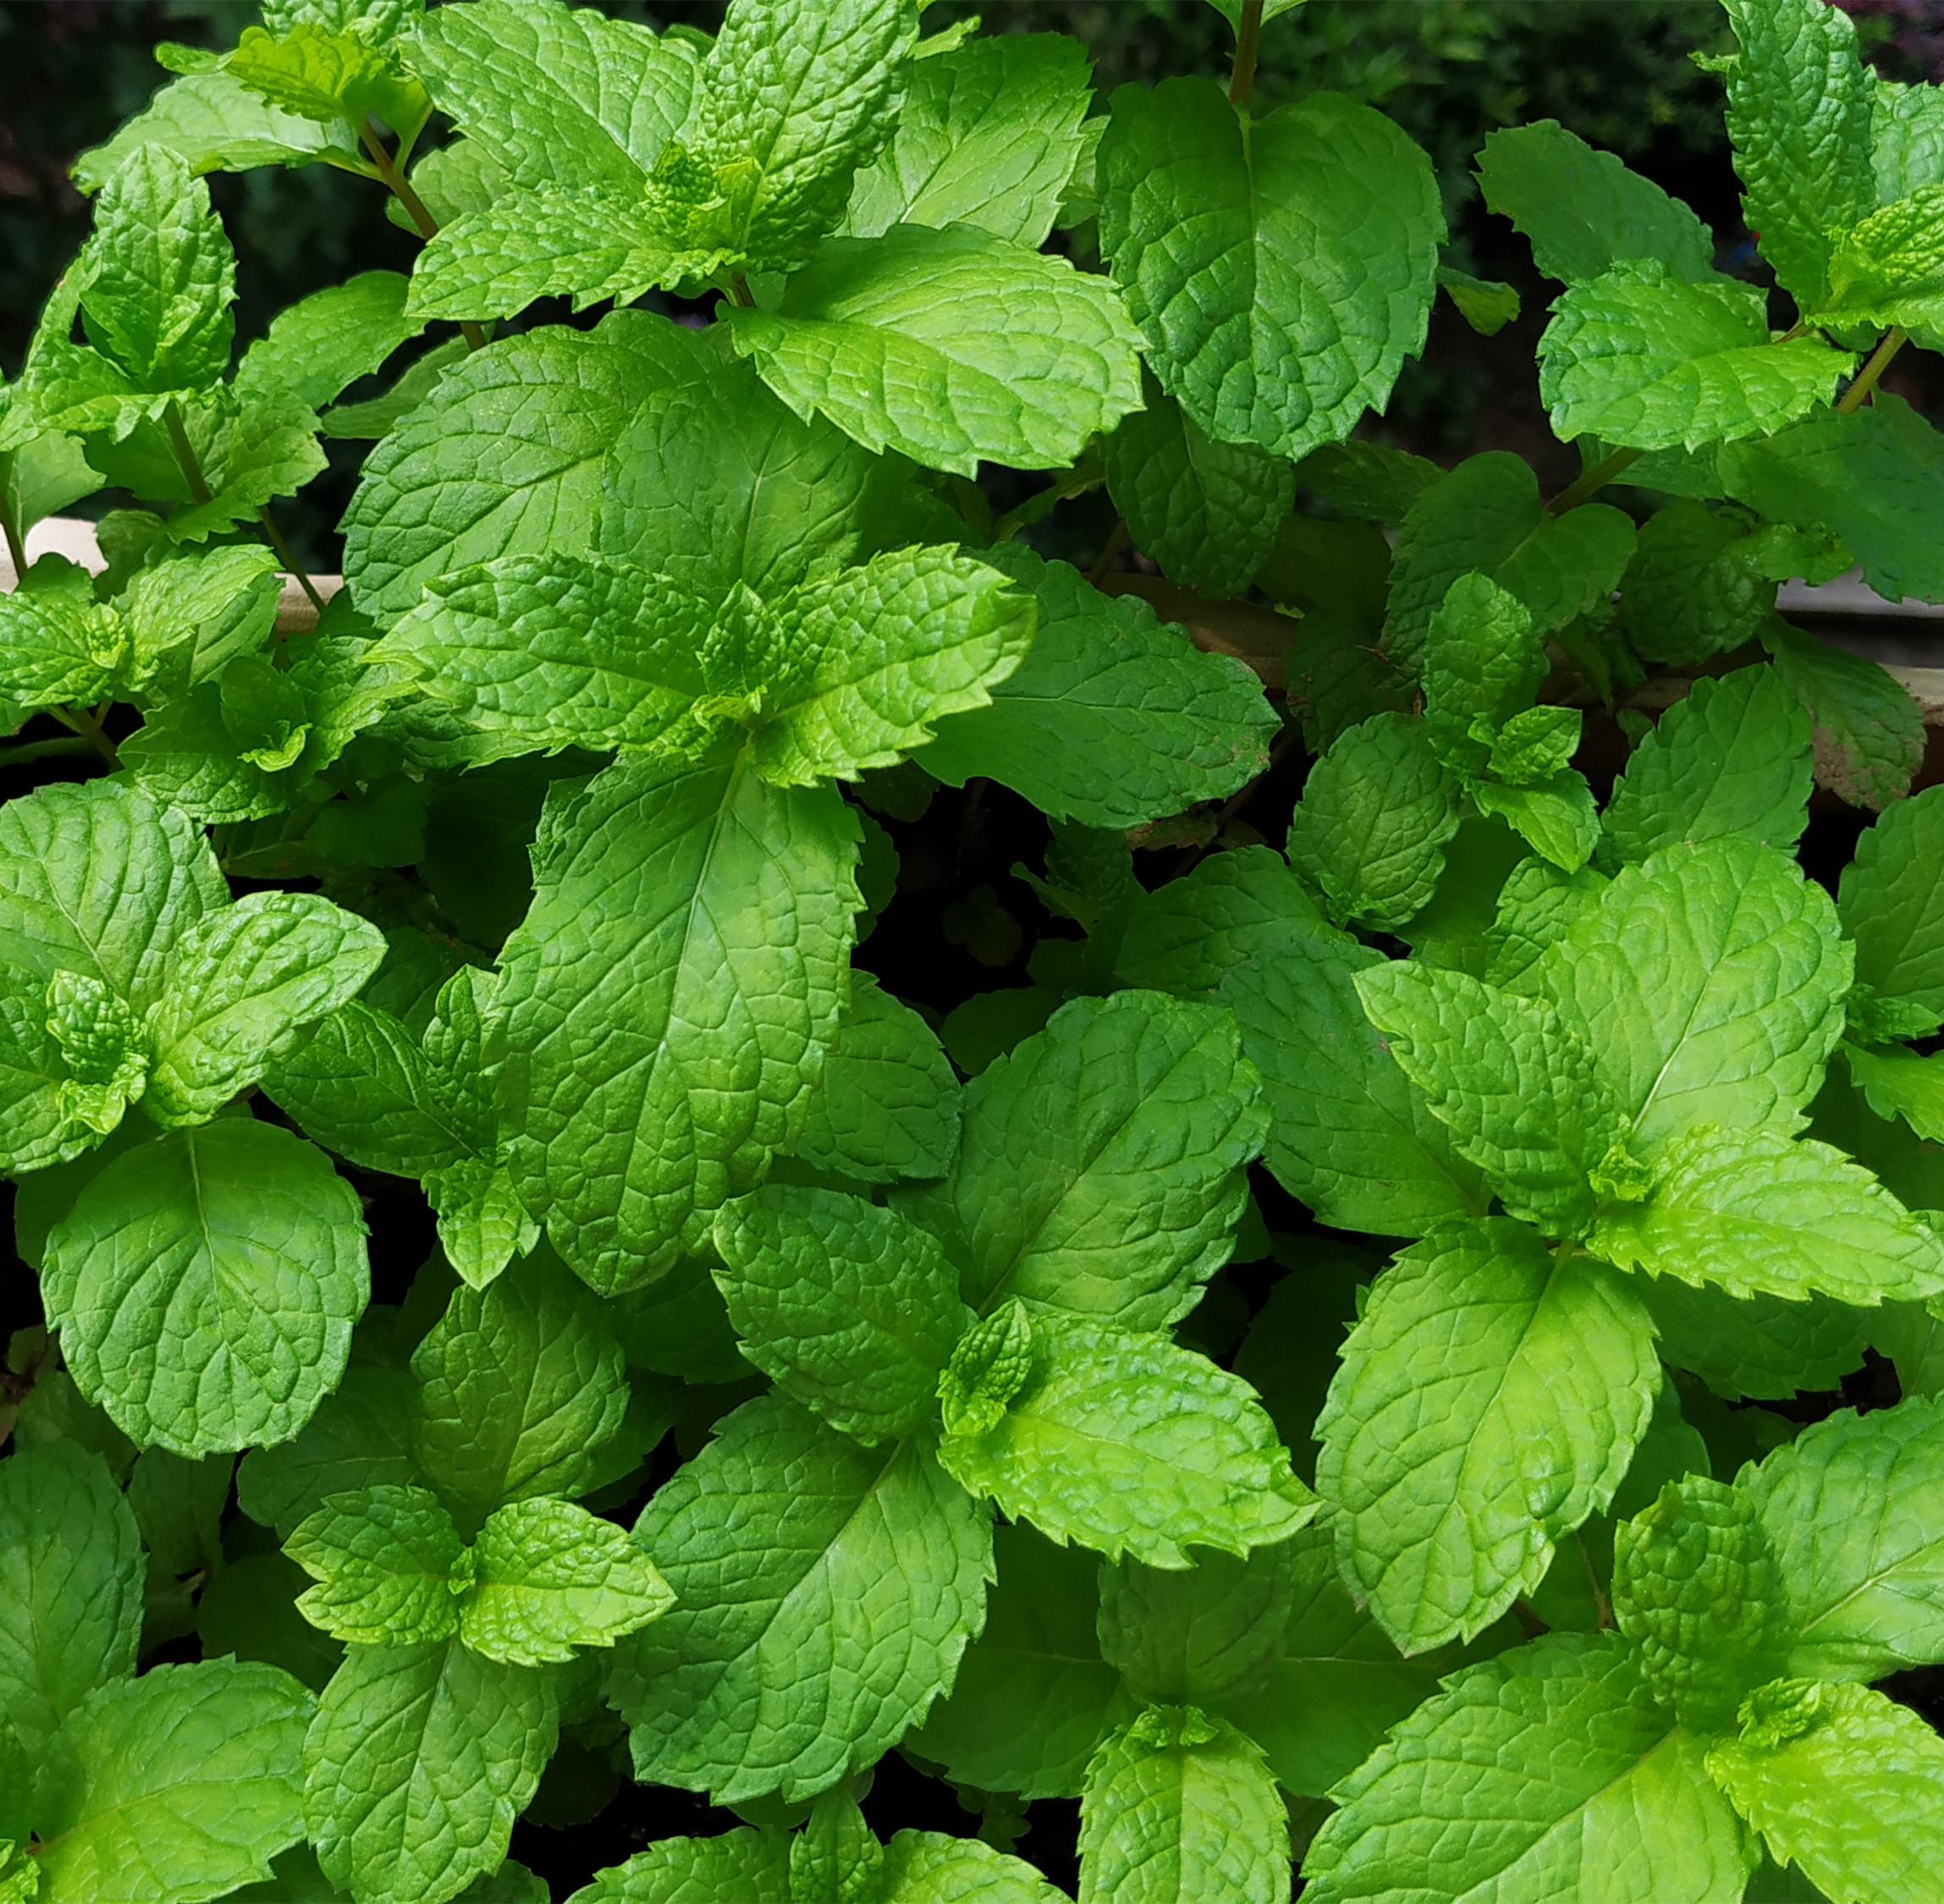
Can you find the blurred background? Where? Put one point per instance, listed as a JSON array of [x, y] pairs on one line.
[[1617, 72]]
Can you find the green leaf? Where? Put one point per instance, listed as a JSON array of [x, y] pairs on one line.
[[929, 1868], [1708, 980], [1129, 1444], [851, 1309], [177, 1785], [716, 902], [1583, 211], [752, 1866], [552, 1577], [1114, 719], [389, 1566], [316, 348], [1100, 1167], [519, 1385], [1893, 909], [888, 1104], [1490, 1397], [1758, 1346], [1869, 731], [1842, 1783], [1179, 1807], [96, 878], [58, 648], [1798, 113], [1907, 139], [351, 1442], [1899, 1084], [823, 1594], [504, 457], [1281, 270], [915, 342], [1545, 1773], [1485, 304], [1376, 814], [321, 74], [1890, 268], [205, 1285], [1201, 1636], [189, 615], [241, 988], [989, 1365], [418, 1762], [70, 1585], [1729, 761], [1640, 359], [1347, 1134], [1186, 936], [1207, 511], [1523, 1094], [1846, 1509], [988, 135], [1757, 1212]]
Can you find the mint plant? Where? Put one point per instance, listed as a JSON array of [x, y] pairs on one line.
[[554, 1298]]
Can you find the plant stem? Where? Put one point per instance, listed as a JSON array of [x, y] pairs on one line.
[[739, 291], [1116, 541], [1851, 401], [16, 549], [88, 725], [291, 564], [185, 457], [1076, 482], [400, 187], [1248, 32], [1593, 481], [45, 750]]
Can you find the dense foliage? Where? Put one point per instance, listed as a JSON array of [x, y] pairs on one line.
[[1266, 1376]]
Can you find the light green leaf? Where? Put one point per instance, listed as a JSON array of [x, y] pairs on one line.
[[1907, 131], [323, 75], [241, 988], [1756, 1213], [1371, 828], [418, 1762], [1203, 1635], [1845, 1507], [989, 1365], [205, 1285], [317, 347], [988, 135], [352, 1441], [1114, 719], [1798, 113], [1282, 270], [1869, 731], [823, 1594], [519, 1385], [950, 346], [189, 616], [70, 1585], [930, 1867], [1844, 1784], [1640, 359], [1892, 909], [669, 1001], [179, 1785], [1487, 305], [751, 1865], [1180, 1807], [1522, 1095], [1729, 761], [1583, 211], [1547, 1772], [1709, 980], [1129, 1444], [1100, 1167], [1890, 268], [1761, 1346], [1187, 936], [1490, 1397], [1347, 1134], [550, 1577], [1897, 1083], [389, 1566], [54, 648]]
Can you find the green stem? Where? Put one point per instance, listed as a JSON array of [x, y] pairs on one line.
[[1594, 479], [1851, 399], [186, 459], [89, 727], [1116, 541], [45, 750], [1248, 32], [16, 549], [291, 564], [401, 189], [740, 293], [1076, 482]]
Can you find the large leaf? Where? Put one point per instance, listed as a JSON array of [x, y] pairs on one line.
[[1893, 909]]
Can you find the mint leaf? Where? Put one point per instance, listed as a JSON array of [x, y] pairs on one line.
[[1899, 1084], [550, 1576], [70, 1585], [243, 986], [1583, 211], [1271, 324], [851, 1309], [1843, 1784], [1202, 1635], [1114, 719], [929, 1868], [1187, 936], [58, 649], [1541, 1773], [1490, 1397], [389, 1566], [1761, 1346], [1757, 1213], [1100, 1167], [206, 1283], [321, 73], [989, 136], [1178, 1806], [1904, 136], [180, 1785], [823, 1594], [750, 1865], [1868, 732], [351, 1442], [1843, 1505], [418, 1762], [912, 342], [316, 348], [1087, 1450], [1893, 913], [737, 900], [1729, 761]]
